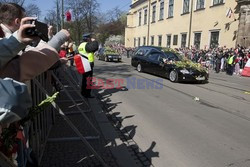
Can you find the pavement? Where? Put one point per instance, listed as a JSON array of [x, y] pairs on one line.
[[64, 147]]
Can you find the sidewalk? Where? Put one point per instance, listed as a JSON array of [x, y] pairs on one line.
[[64, 148]]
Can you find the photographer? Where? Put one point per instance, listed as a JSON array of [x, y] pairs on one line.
[[13, 43], [36, 60]]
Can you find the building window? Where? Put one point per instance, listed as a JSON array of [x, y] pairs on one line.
[[159, 40], [145, 16], [140, 18], [161, 10], [214, 40], [168, 41], [153, 13], [144, 41], [186, 6], [197, 40], [134, 42], [139, 41], [216, 2], [175, 41], [171, 8], [152, 40], [183, 40], [200, 4]]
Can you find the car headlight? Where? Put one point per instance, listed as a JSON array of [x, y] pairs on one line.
[[184, 71], [109, 56]]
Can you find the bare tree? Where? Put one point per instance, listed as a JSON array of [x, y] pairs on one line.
[[90, 7], [83, 15], [114, 24], [33, 10], [114, 14], [51, 18]]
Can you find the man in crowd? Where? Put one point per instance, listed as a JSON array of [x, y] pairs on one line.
[[22, 66], [87, 49], [33, 62]]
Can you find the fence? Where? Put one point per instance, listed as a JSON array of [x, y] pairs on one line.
[[38, 129]]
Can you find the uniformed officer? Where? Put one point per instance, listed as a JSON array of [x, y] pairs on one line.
[[87, 49]]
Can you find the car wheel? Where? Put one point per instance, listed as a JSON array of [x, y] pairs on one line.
[[106, 59], [173, 76], [139, 67]]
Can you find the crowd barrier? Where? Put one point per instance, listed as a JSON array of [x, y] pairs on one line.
[[37, 130]]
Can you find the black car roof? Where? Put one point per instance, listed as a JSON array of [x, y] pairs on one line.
[[150, 47], [155, 47]]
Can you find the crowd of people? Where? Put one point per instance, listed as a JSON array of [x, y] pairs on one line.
[[22, 58], [221, 59], [25, 55]]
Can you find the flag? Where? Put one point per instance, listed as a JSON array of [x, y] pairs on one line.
[[229, 13], [246, 70], [68, 16], [82, 64]]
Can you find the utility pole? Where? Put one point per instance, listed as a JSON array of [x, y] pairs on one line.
[[190, 23], [149, 4], [57, 16], [62, 15]]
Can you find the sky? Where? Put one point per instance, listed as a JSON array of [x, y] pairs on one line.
[[105, 5]]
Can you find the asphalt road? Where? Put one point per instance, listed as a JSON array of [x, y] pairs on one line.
[[182, 125]]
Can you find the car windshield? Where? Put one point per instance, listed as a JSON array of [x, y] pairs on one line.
[[173, 56]]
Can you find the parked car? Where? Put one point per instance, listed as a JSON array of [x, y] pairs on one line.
[[162, 62], [108, 54]]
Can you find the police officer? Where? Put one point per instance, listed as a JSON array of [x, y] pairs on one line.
[[230, 62], [87, 49]]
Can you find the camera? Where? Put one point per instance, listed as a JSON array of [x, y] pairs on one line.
[[40, 30]]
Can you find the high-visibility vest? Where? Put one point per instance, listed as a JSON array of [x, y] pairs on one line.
[[230, 59], [82, 51]]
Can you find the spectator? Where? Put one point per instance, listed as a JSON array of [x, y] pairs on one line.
[[14, 101], [237, 65], [34, 61]]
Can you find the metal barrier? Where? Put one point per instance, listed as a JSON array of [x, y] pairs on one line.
[[40, 127], [36, 131]]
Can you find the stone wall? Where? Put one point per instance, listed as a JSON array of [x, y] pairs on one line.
[[244, 24]]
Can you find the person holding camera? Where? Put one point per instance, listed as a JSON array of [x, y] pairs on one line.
[[28, 64], [12, 43]]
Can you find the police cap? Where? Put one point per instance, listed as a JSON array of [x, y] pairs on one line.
[[86, 35]]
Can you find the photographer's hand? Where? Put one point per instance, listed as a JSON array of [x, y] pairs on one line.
[[22, 37], [60, 38], [66, 32], [50, 32]]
